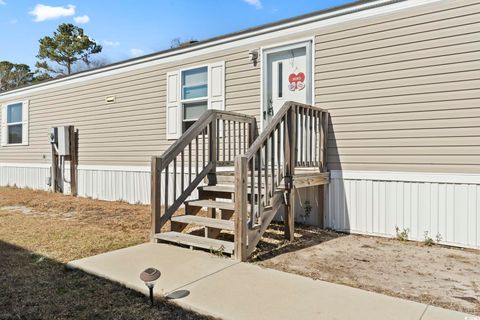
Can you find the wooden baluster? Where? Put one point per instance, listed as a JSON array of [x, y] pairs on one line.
[[240, 124], [319, 128], [196, 156], [252, 191], [266, 200], [315, 140], [189, 163], [244, 149], [204, 132], [234, 139], [279, 154], [174, 179], [223, 141], [259, 186], [311, 139], [297, 155], [272, 164], [166, 188], [182, 171], [229, 141], [305, 112], [301, 137], [213, 151], [217, 139]]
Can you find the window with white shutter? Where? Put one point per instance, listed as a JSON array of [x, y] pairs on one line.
[[190, 92], [15, 123]]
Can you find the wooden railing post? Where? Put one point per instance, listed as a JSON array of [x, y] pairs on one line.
[[241, 204], [325, 141], [155, 196], [290, 162], [212, 151]]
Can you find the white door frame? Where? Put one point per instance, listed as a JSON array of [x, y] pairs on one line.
[[309, 44]]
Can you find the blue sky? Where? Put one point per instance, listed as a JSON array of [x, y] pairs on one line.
[[128, 28]]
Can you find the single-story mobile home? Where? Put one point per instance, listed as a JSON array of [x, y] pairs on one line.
[[378, 99]]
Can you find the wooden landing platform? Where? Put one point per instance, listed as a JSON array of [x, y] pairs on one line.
[[309, 177], [304, 177]]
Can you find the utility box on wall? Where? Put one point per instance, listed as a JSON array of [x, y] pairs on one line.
[[63, 140]]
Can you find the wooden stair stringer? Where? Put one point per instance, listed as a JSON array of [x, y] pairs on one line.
[[256, 234]]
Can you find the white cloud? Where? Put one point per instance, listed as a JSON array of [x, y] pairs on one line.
[[3, 3], [109, 43], [136, 52], [43, 12], [82, 19], [256, 3]]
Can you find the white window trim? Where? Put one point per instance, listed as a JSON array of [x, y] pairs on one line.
[[209, 99], [192, 100], [25, 123]]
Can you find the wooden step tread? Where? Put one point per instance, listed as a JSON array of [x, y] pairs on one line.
[[212, 204], [196, 241], [204, 221], [218, 188], [228, 188]]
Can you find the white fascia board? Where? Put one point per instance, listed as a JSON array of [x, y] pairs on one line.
[[335, 17], [456, 178]]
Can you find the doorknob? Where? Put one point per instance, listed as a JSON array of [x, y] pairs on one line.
[[270, 107]]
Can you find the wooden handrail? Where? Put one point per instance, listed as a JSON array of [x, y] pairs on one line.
[[295, 137], [274, 123], [202, 139]]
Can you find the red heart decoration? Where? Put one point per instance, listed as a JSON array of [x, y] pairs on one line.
[[294, 78]]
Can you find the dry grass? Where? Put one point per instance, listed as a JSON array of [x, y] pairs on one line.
[[40, 231], [66, 228]]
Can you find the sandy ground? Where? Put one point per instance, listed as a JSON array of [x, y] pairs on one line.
[[441, 276]]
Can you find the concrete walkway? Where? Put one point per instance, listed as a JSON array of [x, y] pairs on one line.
[[231, 290]]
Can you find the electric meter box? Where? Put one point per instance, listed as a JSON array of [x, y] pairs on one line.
[[63, 141]]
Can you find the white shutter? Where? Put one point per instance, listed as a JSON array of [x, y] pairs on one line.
[[25, 118], [3, 133], [217, 86], [174, 110]]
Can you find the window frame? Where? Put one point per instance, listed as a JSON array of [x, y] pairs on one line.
[[24, 123], [183, 101]]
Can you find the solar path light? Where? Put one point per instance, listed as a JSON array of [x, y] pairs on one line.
[[149, 276]]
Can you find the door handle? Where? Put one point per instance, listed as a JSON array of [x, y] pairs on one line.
[[270, 111]]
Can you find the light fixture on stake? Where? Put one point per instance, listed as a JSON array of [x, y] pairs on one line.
[[149, 276]]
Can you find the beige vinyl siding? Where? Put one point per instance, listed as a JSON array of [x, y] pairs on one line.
[[131, 130], [403, 90]]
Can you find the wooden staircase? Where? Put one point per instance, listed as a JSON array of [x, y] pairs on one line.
[[233, 207], [219, 203]]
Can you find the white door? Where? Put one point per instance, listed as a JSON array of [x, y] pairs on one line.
[[288, 77]]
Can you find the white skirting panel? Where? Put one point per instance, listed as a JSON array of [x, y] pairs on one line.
[[130, 184], [375, 203], [33, 176]]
